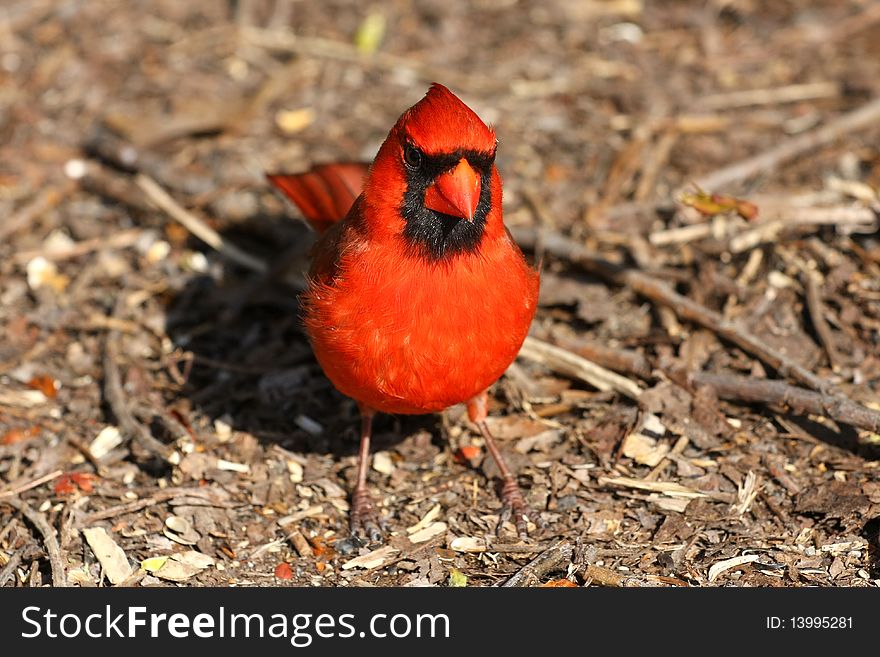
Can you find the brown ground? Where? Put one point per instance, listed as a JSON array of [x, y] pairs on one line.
[[237, 454]]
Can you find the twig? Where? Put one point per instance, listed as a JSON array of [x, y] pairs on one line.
[[836, 407], [775, 220], [654, 163], [50, 540], [120, 240], [619, 360], [817, 316], [803, 219], [767, 161], [196, 226], [128, 424], [685, 308], [553, 558], [10, 566], [107, 183], [152, 500], [31, 484], [570, 364], [792, 93], [669, 488], [690, 310], [47, 200], [26, 552]]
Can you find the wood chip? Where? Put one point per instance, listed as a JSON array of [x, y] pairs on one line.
[[468, 544], [314, 510], [428, 532], [382, 463], [728, 564], [22, 398], [428, 518], [642, 447], [300, 544], [666, 487], [105, 442], [111, 557], [232, 466], [373, 559]]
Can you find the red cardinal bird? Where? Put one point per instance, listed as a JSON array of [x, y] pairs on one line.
[[418, 297]]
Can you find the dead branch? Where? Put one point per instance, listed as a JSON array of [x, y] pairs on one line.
[[121, 240], [689, 310], [568, 363], [836, 407], [627, 361], [44, 202], [17, 489], [50, 539], [27, 552], [196, 226], [130, 427], [556, 557], [804, 220], [769, 160], [792, 93], [816, 309]]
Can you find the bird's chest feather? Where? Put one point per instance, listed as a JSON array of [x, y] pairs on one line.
[[405, 335]]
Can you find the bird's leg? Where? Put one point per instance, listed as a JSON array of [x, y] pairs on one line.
[[514, 504], [363, 517]]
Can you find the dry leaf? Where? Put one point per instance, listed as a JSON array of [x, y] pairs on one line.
[[109, 554]]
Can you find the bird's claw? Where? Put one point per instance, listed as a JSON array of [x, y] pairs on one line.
[[515, 508], [365, 521]]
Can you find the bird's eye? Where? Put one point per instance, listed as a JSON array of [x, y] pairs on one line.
[[412, 156]]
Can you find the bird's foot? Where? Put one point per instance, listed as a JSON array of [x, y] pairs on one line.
[[364, 520], [515, 508]]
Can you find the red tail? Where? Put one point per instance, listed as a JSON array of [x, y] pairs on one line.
[[325, 193]]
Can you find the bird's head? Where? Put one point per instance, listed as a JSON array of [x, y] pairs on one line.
[[434, 180]]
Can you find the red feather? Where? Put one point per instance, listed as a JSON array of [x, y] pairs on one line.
[[326, 193]]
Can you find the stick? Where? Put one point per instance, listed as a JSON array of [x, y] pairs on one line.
[[687, 309], [121, 240], [792, 93], [661, 293], [804, 219], [838, 408], [10, 566], [26, 552], [817, 316], [570, 364], [196, 226], [53, 550], [553, 558], [31, 484], [627, 361], [767, 161], [152, 500], [130, 427], [38, 206]]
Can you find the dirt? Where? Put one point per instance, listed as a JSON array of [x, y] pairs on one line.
[[225, 456]]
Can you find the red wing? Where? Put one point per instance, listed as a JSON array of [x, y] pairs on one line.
[[325, 193]]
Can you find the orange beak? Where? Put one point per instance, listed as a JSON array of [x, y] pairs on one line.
[[455, 192]]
